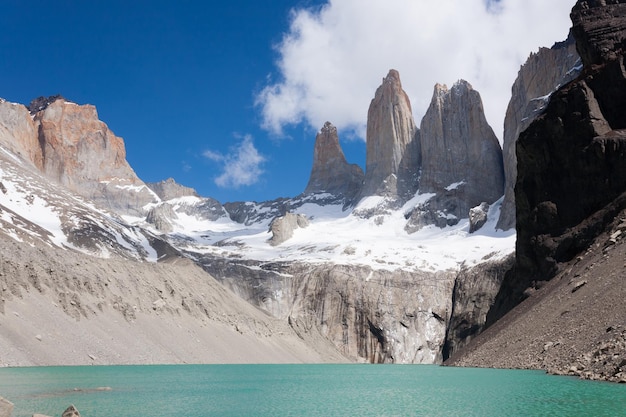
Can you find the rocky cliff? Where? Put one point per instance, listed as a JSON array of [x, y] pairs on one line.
[[79, 151], [571, 209], [331, 173], [542, 73], [570, 159], [393, 153], [461, 157], [18, 133], [370, 315]]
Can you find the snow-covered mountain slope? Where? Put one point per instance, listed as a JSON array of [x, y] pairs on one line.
[[34, 209], [341, 236]]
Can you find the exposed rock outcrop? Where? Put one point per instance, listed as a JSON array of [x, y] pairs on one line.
[[600, 30], [461, 157], [393, 153], [375, 316], [474, 292], [282, 228], [331, 173], [80, 152], [161, 216], [571, 171], [170, 189], [542, 73], [18, 132]]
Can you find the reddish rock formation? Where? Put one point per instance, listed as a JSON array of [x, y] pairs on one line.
[[79, 151]]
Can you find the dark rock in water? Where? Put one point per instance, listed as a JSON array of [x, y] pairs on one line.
[[478, 216], [571, 178], [6, 408], [331, 173], [542, 74], [71, 411]]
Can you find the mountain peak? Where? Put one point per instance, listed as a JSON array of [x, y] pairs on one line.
[[391, 138], [331, 173]]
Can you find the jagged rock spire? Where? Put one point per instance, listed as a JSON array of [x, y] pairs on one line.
[[392, 140], [458, 145], [461, 157], [331, 173]]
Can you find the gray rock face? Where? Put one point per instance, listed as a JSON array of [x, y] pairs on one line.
[[461, 156], [331, 173], [474, 292], [370, 315], [542, 73], [169, 189], [18, 132], [393, 154], [282, 228]]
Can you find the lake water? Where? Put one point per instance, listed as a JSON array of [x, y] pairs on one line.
[[304, 390]]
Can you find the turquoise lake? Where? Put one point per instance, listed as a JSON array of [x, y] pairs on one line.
[[304, 390]]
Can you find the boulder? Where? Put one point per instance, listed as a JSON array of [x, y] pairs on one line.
[[282, 228], [478, 216]]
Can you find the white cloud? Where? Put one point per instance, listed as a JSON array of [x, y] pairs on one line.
[[333, 58], [242, 166]]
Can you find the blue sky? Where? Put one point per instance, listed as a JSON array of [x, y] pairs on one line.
[[227, 97]]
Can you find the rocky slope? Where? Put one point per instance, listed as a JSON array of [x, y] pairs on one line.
[[570, 197], [60, 307]]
